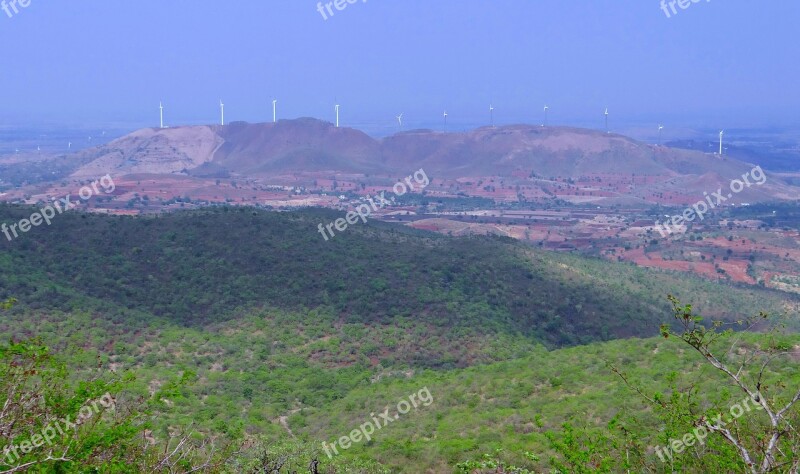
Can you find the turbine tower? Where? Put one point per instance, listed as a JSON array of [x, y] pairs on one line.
[[274, 110], [607, 130], [721, 133], [69, 145], [400, 121], [337, 115], [445, 120], [660, 128], [545, 115], [161, 108], [491, 114], [222, 112]]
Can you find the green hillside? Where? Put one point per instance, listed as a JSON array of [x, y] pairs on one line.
[[199, 267], [246, 325], [284, 378]]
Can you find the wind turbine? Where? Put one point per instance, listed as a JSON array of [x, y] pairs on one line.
[[660, 128], [491, 114], [721, 133], [161, 108], [337, 115], [607, 130], [445, 120], [400, 121], [222, 112], [274, 110], [69, 145], [545, 115]]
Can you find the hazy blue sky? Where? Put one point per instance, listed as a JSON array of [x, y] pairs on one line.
[[717, 63]]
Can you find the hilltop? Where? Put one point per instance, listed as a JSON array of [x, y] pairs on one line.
[[301, 145], [536, 161]]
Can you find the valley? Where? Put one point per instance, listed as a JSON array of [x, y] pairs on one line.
[[557, 189], [279, 237]]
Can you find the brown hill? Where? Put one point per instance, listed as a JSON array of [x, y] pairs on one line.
[[151, 150], [295, 145], [306, 145], [550, 151]]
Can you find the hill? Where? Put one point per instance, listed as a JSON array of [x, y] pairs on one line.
[[302, 145], [245, 323], [268, 375], [308, 162], [307, 146], [200, 266]]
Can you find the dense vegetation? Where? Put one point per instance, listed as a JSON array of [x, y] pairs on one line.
[[199, 267], [245, 328], [562, 408]]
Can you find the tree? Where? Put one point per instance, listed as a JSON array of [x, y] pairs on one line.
[[50, 423], [698, 438], [709, 439], [7, 304], [776, 446]]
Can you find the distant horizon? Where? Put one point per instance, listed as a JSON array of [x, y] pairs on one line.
[[377, 59], [471, 119], [32, 136], [385, 129]]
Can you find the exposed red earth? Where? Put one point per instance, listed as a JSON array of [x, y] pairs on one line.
[[559, 188], [508, 163]]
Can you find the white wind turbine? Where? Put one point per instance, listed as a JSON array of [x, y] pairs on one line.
[[274, 110], [400, 121], [445, 120], [337, 115], [222, 112], [69, 145], [660, 128], [721, 133], [546, 108], [607, 130], [161, 108], [491, 115]]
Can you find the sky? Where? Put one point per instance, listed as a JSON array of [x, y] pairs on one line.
[[109, 63]]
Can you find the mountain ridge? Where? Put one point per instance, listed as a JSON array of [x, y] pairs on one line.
[[259, 148]]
